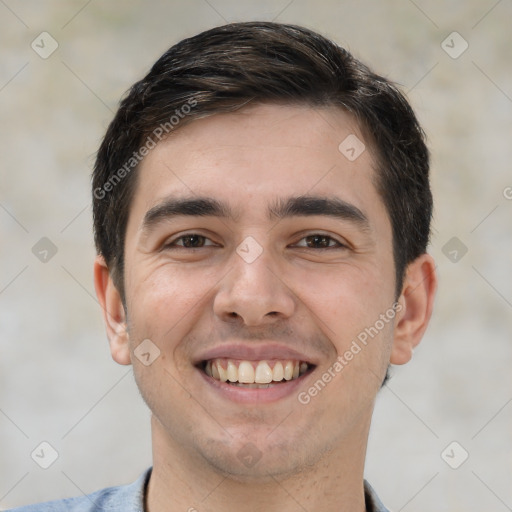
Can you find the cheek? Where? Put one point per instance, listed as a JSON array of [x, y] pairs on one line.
[[160, 304], [348, 305], [166, 292], [346, 299]]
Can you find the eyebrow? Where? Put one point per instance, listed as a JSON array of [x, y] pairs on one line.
[[314, 205], [185, 206], [279, 209]]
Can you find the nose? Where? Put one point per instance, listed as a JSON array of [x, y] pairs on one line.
[[254, 292]]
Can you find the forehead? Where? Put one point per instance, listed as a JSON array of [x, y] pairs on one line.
[[264, 148]]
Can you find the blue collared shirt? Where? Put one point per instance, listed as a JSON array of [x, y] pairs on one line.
[[130, 498]]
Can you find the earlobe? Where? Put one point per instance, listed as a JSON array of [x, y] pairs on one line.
[[113, 312], [417, 300]]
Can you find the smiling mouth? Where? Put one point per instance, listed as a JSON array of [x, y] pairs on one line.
[[255, 374]]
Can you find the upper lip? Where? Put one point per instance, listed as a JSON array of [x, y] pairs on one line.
[[256, 351]]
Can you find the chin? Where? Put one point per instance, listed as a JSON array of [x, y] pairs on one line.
[[247, 461]]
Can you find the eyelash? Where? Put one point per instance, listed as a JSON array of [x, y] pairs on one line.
[[172, 244]]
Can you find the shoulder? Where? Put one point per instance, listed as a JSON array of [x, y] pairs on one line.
[[124, 498]]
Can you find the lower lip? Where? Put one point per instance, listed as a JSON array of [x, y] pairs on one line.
[[255, 395]]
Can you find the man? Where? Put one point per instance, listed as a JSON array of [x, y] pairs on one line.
[[262, 211]]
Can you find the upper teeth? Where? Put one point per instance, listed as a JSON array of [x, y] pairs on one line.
[[250, 372]]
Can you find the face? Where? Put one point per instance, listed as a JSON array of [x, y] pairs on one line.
[[259, 265]]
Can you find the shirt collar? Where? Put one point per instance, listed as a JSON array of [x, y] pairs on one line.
[[139, 489], [372, 501]]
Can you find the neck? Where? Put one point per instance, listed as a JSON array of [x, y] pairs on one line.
[[182, 480]]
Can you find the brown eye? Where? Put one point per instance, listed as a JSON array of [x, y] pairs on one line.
[[193, 240], [319, 241], [190, 241]]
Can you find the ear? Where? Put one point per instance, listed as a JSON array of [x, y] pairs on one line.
[[113, 312], [417, 300]]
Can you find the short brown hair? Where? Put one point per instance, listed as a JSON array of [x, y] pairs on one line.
[[223, 69]]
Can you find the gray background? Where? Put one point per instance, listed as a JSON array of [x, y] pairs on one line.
[[57, 381]]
